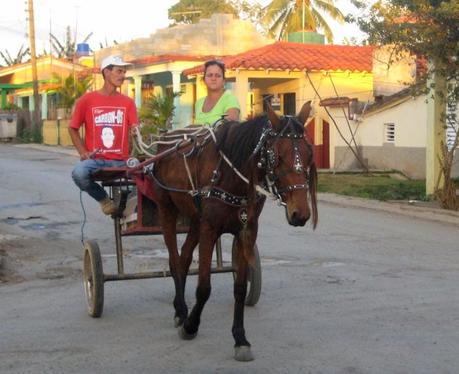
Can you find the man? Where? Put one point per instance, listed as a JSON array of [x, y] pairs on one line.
[[108, 116]]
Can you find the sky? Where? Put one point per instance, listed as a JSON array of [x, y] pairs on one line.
[[120, 20]]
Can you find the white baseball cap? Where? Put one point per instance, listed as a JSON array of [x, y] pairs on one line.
[[113, 60]]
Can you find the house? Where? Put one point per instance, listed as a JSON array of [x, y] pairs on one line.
[[293, 73], [16, 83], [390, 134]]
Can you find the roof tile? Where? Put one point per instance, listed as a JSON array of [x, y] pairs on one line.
[[298, 56]]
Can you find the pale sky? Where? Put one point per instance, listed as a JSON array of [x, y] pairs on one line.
[[109, 20]]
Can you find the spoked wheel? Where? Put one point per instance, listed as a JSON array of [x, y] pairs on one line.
[[253, 276], [93, 278]]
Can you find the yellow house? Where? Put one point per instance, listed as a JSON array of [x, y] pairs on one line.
[[16, 83], [289, 74]]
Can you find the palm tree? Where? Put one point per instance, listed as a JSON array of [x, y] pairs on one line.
[[285, 16], [70, 89], [156, 112], [10, 61]]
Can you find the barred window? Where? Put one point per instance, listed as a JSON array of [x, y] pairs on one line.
[[389, 132]]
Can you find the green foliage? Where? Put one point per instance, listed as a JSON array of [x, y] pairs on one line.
[[71, 89], [156, 113], [10, 107], [10, 61], [426, 28], [31, 136], [372, 186], [191, 11], [286, 16]]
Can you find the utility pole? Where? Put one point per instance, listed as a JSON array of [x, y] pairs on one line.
[[36, 97]]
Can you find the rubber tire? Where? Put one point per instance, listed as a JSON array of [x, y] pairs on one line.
[[253, 276], [93, 278]]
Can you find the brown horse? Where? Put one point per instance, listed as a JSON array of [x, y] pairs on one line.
[[215, 182]]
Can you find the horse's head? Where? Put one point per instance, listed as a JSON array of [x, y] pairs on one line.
[[289, 164]]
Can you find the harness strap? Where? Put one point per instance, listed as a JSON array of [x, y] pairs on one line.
[[293, 187], [190, 178], [258, 188], [226, 197]]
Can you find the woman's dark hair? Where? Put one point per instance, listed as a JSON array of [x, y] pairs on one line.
[[220, 64]]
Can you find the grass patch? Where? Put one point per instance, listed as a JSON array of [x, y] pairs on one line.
[[373, 186]]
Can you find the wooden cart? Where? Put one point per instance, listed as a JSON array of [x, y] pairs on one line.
[[137, 215]]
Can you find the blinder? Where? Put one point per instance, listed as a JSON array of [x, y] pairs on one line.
[[269, 158]]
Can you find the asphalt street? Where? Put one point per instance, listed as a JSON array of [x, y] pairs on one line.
[[372, 290]]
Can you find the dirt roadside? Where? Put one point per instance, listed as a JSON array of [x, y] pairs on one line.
[[25, 258]]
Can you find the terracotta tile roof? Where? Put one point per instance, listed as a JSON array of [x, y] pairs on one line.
[[298, 56], [160, 59]]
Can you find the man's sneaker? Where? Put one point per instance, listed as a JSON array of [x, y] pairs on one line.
[[108, 206]]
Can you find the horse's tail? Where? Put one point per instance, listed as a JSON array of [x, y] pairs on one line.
[[312, 184]]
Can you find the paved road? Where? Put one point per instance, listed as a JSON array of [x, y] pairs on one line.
[[369, 291]]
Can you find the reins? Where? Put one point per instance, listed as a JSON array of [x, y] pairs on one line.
[[188, 136]]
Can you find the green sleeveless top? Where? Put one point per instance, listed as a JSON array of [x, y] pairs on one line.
[[226, 101]]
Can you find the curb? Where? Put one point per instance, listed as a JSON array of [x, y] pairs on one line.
[[49, 148], [405, 208], [409, 209]]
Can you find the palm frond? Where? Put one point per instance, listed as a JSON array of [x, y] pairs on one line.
[[323, 25], [330, 9]]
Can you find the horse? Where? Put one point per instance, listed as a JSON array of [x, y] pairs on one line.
[[220, 182]]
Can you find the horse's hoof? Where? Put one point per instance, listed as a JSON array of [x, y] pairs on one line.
[[243, 353], [186, 336], [178, 321]]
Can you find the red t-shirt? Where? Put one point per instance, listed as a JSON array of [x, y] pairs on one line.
[[107, 120]]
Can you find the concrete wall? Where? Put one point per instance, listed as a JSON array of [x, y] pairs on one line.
[[407, 153], [221, 34], [56, 132], [392, 71], [411, 161]]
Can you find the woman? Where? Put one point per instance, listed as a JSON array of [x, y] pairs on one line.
[[218, 102]]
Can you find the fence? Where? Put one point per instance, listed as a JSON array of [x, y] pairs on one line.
[[55, 132]]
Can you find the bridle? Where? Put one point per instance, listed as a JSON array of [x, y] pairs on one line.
[[269, 157]]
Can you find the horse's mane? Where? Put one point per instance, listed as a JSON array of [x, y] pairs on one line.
[[237, 140]]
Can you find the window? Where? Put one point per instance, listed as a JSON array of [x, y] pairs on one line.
[[289, 103], [389, 132]]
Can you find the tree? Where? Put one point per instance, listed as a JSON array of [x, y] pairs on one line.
[[428, 29], [285, 16], [67, 48], [156, 113], [10, 61], [191, 11], [71, 89]]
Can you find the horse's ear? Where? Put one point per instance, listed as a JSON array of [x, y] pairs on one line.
[[272, 116], [304, 112]]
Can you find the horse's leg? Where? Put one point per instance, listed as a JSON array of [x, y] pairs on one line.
[[207, 239], [186, 256], [242, 351], [168, 218]]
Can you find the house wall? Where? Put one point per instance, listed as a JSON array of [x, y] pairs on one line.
[[221, 34], [47, 69], [392, 71], [406, 154], [328, 84]]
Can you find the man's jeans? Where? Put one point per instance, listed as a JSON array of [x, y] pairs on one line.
[[81, 175]]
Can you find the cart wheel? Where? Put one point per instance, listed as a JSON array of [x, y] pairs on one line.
[[93, 278], [253, 276]]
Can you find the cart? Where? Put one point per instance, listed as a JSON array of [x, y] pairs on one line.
[[137, 215]]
